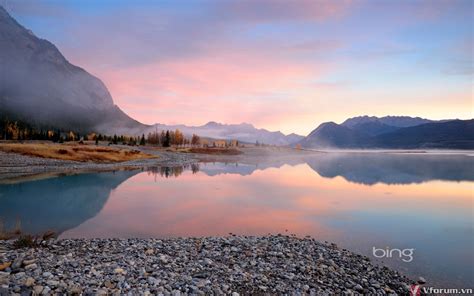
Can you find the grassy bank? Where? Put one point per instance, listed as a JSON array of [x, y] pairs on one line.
[[75, 152]]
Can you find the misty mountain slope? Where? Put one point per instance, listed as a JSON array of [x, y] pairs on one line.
[[38, 85], [243, 132], [330, 134]]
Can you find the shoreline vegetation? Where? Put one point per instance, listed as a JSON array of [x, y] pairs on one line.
[[227, 265], [75, 152]]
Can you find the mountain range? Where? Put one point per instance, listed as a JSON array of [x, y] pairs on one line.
[[392, 132], [243, 132]]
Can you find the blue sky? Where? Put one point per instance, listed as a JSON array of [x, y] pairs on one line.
[[281, 65]]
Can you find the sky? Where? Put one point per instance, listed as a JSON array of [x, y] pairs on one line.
[[278, 64]]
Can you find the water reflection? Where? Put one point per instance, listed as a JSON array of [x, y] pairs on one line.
[[363, 168], [372, 168], [412, 202], [57, 204]]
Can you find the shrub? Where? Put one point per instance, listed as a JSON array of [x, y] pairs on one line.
[[25, 241], [62, 151]]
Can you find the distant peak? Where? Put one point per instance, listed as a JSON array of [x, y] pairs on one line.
[[246, 124], [325, 126], [212, 123], [328, 124]]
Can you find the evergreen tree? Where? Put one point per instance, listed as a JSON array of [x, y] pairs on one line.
[[162, 138], [142, 140], [167, 141]]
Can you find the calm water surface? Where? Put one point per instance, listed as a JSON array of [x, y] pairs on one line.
[[358, 200]]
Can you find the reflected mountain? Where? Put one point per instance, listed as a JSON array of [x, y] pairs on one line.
[[211, 169], [362, 168], [372, 168], [215, 169], [57, 204]]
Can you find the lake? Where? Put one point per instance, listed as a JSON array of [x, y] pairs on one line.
[[416, 207]]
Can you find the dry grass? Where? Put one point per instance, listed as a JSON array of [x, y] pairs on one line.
[[75, 152], [214, 151]]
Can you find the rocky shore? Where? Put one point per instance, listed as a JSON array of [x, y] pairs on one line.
[[233, 265], [18, 167]]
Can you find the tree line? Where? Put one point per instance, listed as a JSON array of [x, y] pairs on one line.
[[21, 131], [171, 138]]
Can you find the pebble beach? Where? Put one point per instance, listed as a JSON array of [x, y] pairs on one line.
[[232, 265]]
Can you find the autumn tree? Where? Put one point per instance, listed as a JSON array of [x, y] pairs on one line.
[[153, 138], [178, 137], [195, 140]]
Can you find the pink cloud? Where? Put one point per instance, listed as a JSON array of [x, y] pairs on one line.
[[244, 87]]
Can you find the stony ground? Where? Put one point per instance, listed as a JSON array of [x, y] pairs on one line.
[[197, 266], [17, 167]]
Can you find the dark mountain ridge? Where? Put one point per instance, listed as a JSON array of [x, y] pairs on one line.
[[455, 134], [394, 121], [330, 134], [371, 132]]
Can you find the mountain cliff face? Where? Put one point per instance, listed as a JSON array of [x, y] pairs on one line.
[[38, 85], [243, 132], [371, 132]]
